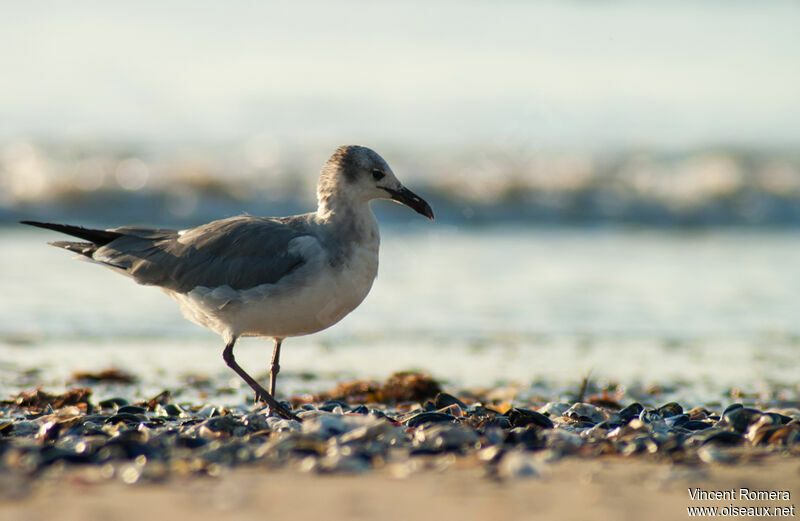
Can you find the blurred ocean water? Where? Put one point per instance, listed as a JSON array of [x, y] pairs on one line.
[[714, 309], [115, 185], [616, 184]]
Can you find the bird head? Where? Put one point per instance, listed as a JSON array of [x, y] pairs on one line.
[[360, 173]]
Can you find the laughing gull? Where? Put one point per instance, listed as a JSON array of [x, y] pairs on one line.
[[274, 277]]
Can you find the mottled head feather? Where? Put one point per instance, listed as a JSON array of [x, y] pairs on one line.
[[350, 161], [344, 162]]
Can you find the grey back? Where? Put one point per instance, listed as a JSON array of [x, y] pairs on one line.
[[241, 252]]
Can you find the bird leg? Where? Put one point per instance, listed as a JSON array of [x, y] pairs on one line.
[[274, 367], [262, 393]]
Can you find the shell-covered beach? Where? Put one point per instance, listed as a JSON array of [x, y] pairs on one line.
[[490, 451]]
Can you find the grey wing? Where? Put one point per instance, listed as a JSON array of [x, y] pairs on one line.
[[240, 252]]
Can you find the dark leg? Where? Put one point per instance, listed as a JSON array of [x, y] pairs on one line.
[[274, 367], [273, 404]]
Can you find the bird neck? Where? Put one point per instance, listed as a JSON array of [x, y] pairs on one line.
[[352, 217]]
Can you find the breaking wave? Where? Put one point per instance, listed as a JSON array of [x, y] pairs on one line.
[[116, 184]]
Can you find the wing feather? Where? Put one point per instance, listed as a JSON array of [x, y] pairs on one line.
[[240, 252]]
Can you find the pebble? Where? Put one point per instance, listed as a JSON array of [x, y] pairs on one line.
[[586, 412], [428, 417], [157, 439], [518, 464], [554, 409], [444, 437], [630, 412], [519, 417], [443, 400]]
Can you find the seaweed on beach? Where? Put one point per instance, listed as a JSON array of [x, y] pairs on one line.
[[38, 399], [400, 387], [162, 398], [110, 375]]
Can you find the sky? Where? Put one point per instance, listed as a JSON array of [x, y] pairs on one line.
[[578, 74]]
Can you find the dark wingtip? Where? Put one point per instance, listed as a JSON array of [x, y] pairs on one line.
[[39, 224], [99, 237]]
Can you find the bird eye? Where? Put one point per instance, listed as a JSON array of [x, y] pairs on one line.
[[378, 175]]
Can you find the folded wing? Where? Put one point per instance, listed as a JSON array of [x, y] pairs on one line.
[[241, 252]]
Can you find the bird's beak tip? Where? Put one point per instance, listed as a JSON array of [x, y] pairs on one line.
[[412, 200]]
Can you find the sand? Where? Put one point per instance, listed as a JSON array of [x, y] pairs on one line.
[[572, 489]]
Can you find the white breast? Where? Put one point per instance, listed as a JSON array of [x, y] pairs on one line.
[[319, 294]]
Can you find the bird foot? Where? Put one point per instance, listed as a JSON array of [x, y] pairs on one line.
[[275, 407]]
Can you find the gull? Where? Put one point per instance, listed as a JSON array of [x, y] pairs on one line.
[[273, 277]]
